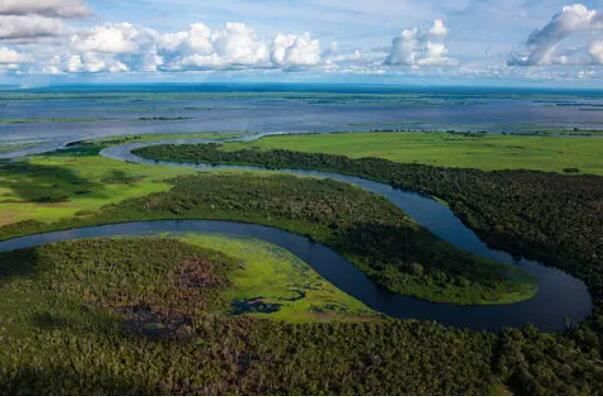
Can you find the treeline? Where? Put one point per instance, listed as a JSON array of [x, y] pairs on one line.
[[148, 316]]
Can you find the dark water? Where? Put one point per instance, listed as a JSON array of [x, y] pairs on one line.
[[561, 298], [93, 111], [548, 311]]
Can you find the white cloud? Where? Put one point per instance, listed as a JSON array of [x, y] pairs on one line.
[[198, 38], [93, 63], [118, 38], [49, 8], [121, 47], [235, 45], [29, 26], [596, 52], [438, 29], [238, 44], [9, 56], [291, 50], [543, 44], [420, 47]]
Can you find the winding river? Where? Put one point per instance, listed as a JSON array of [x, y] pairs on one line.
[[561, 299]]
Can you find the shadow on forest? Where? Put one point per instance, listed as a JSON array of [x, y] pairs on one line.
[[67, 381], [46, 184], [412, 251], [17, 264]]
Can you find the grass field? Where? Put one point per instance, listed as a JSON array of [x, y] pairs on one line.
[[48, 188], [272, 276], [486, 152]]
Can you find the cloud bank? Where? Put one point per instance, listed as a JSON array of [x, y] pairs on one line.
[[544, 44], [126, 47], [56, 37], [20, 27], [48, 8], [25, 20], [36, 37]]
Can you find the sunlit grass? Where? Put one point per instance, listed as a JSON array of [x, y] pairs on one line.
[[276, 276], [48, 188], [486, 152]]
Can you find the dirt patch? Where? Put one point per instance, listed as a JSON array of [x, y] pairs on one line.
[[199, 273], [151, 322]]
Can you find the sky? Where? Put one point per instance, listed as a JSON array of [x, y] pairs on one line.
[[457, 42]]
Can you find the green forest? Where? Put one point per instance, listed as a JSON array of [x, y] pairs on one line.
[[149, 316]]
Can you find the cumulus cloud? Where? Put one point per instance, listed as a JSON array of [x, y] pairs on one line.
[[9, 56], [113, 39], [420, 47], [93, 63], [123, 47], [543, 44], [596, 52], [292, 50], [117, 47], [235, 45], [49, 8], [29, 26]]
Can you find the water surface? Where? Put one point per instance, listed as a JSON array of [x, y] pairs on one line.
[[58, 115]]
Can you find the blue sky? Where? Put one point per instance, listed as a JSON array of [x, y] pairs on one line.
[[523, 42]]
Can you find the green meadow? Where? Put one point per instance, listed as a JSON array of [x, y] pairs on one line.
[[272, 276], [49, 188], [483, 151]]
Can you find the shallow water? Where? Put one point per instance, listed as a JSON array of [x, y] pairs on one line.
[[85, 112], [561, 299]]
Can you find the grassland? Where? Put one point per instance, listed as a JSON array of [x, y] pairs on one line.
[[272, 277], [49, 188], [483, 151]]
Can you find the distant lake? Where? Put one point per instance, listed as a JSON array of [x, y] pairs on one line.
[[60, 114]]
